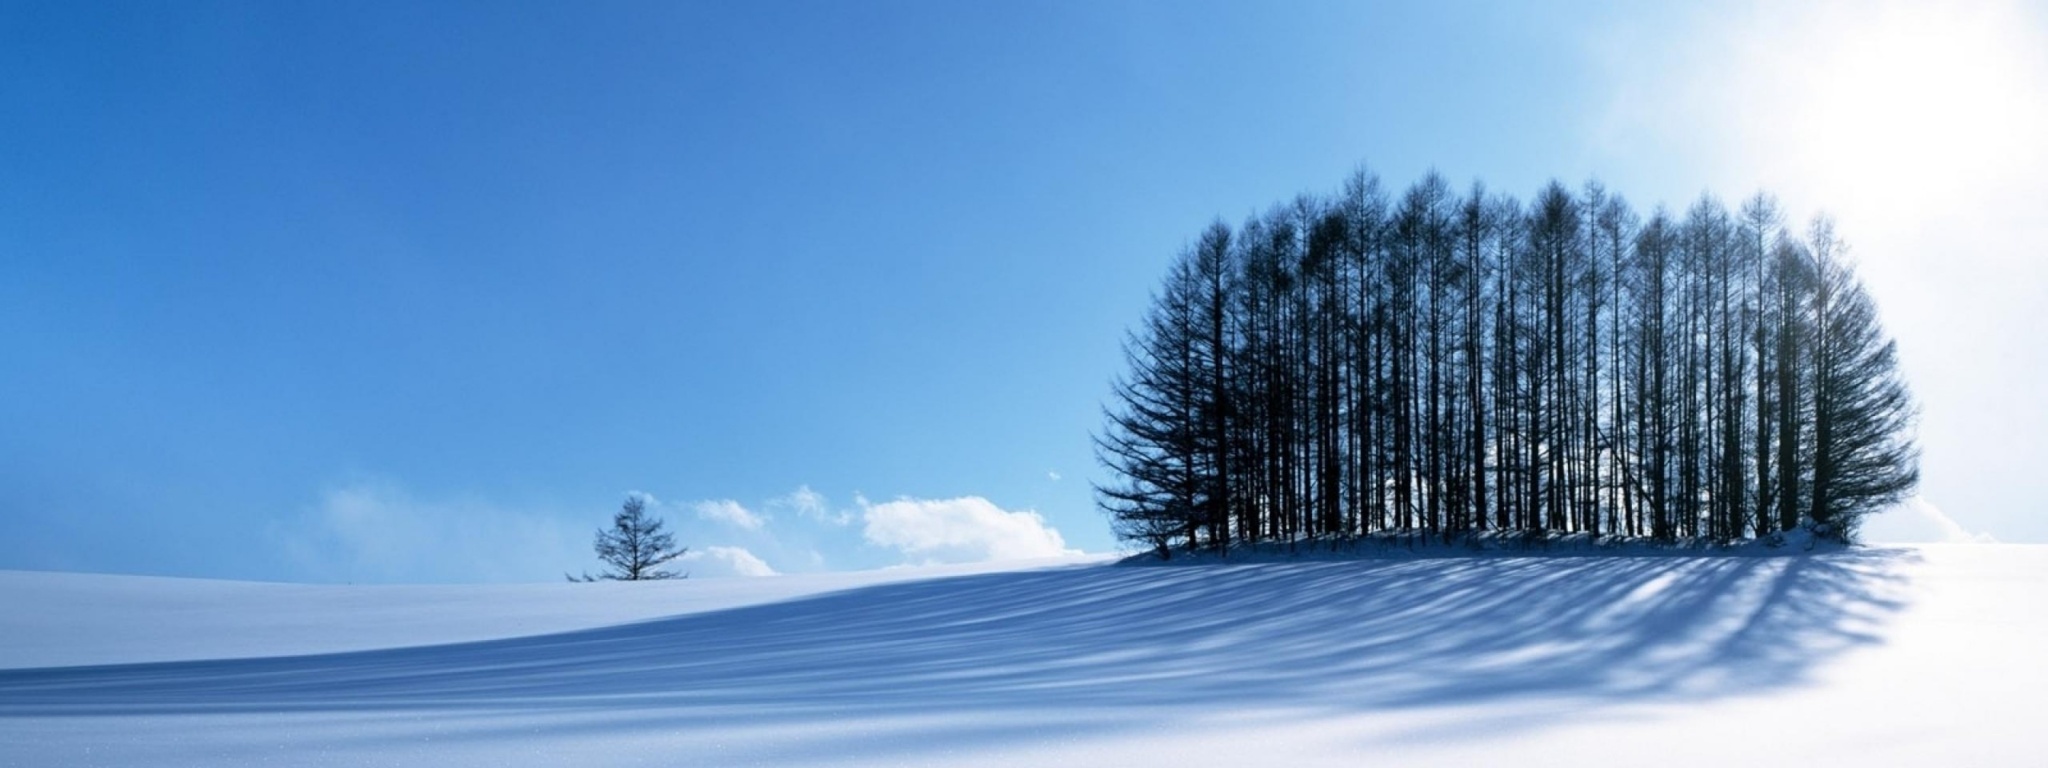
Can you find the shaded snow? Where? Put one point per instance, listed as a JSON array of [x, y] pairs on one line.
[[1867, 656]]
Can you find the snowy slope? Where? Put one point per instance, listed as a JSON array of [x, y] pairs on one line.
[[71, 619], [1895, 656]]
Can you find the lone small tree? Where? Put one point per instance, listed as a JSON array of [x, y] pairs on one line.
[[634, 547]]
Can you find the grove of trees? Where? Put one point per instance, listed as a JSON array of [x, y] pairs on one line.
[[1431, 362]]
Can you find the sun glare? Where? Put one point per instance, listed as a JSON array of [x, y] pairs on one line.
[[1912, 107]]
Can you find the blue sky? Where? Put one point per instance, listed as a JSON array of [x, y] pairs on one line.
[[418, 292]]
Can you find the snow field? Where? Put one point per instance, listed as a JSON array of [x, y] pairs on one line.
[[1881, 656]]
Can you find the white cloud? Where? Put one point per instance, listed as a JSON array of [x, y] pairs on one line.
[[812, 505], [718, 561], [378, 532], [729, 512], [966, 529], [1053, 476], [1916, 520]]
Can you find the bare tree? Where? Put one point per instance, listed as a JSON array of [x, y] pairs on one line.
[[1863, 454], [634, 548], [1165, 429]]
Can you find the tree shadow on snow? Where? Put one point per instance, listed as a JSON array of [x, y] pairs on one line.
[[1075, 650]]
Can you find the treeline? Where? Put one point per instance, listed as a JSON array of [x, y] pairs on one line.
[[1445, 363]]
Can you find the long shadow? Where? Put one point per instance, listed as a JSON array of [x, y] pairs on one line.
[[1130, 644]]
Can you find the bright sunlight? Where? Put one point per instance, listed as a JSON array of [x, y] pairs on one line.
[[1892, 108]]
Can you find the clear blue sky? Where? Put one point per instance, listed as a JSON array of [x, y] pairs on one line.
[[316, 291]]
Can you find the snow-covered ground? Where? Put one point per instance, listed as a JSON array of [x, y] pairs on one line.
[[1929, 655]]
